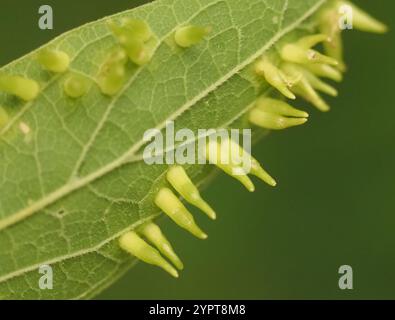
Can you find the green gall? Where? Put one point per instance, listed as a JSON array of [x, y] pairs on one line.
[[275, 114], [132, 29], [76, 86], [112, 74], [304, 88], [297, 54], [302, 52], [133, 35], [279, 107], [168, 202], [24, 88], [318, 84], [54, 60], [188, 36], [274, 77], [313, 80], [231, 158], [138, 52], [363, 21], [216, 154], [154, 235], [325, 71], [180, 181], [137, 28], [329, 24], [256, 169], [135, 245], [111, 79]]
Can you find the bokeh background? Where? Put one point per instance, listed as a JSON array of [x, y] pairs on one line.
[[335, 202]]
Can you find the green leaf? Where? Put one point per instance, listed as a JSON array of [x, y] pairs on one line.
[[76, 183]]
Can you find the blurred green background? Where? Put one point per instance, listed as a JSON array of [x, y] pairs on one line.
[[335, 201]]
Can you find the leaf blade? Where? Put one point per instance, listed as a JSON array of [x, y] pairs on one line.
[[114, 204]]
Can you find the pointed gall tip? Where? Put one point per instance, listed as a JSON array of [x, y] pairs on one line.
[[284, 89], [342, 67], [290, 95], [326, 71], [249, 185], [320, 104], [331, 61], [179, 179], [205, 207], [259, 172], [174, 273], [264, 176], [162, 263], [246, 181], [168, 268], [365, 22], [170, 254], [325, 108], [195, 230], [273, 183], [177, 262], [317, 57], [380, 28], [298, 114], [207, 210], [274, 77], [168, 251], [269, 180], [385, 28], [334, 93], [212, 215], [203, 236], [292, 122], [152, 233], [336, 74], [286, 92]]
